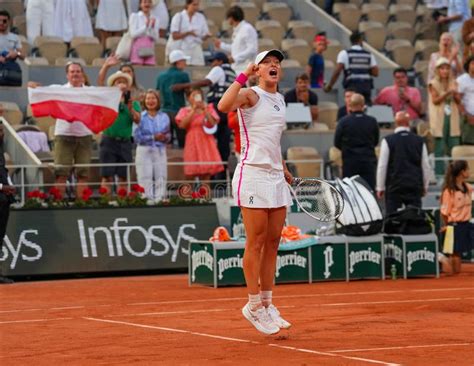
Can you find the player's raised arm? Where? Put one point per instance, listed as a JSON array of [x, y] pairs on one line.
[[236, 96]]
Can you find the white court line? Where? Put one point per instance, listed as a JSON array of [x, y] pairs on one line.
[[245, 298], [242, 341], [33, 320], [391, 301], [402, 347], [68, 307], [187, 312]]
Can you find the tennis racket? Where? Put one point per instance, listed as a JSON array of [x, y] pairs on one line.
[[317, 198]]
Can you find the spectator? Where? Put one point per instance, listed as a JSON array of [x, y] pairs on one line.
[[468, 51], [188, 30], [315, 67], [302, 94], [173, 100], [345, 109], [466, 90], [160, 12], [244, 46], [356, 136], [403, 170], [116, 142], [468, 32], [456, 210], [358, 65], [39, 19], [449, 50], [218, 80], [144, 30], [443, 101], [72, 140], [10, 48], [200, 146], [401, 96], [7, 191], [458, 12], [72, 19], [136, 90], [111, 19], [34, 138], [151, 136]]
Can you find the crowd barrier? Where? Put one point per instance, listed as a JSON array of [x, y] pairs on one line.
[[316, 259]]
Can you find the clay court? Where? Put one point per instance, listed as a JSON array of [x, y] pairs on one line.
[[159, 320]]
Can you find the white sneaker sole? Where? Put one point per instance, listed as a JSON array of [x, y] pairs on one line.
[[248, 316]]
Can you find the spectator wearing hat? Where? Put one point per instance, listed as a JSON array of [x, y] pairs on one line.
[[401, 96], [173, 99], [443, 108], [359, 67], [116, 143], [466, 90], [244, 46], [10, 49], [218, 80], [315, 67], [302, 94]]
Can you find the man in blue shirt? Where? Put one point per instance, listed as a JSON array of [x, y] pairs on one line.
[[315, 67], [458, 12]]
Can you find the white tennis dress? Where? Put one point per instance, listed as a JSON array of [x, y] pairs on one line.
[[258, 180]]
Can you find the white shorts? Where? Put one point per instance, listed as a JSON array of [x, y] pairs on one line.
[[256, 187]]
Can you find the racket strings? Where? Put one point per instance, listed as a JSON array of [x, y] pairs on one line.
[[319, 199]]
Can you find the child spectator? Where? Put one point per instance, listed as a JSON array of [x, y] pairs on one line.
[[200, 146], [151, 136], [315, 67], [456, 209]]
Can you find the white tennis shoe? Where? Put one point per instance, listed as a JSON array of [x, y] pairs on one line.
[[274, 315], [260, 320]]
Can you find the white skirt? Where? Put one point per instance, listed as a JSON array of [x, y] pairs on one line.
[[256, 187], [111, 16]]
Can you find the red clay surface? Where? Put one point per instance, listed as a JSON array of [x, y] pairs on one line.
[[159, 320]]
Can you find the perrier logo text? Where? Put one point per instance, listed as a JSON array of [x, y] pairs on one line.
[[231, 262], [419, 255], [201, 258], [363, 256], [290, 260]]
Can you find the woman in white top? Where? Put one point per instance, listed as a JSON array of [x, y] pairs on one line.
[[160, 12], [259, 182], [110, 19], [188, 30], [144, 30]]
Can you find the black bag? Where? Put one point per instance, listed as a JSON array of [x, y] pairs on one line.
[[10, 74], [411, 220]]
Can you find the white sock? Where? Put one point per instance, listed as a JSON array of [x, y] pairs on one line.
[[266, 297], [255, 302]]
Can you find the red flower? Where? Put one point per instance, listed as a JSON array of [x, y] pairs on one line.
[[138, 188], [103, 191], [30, 195], [132, 194], [195, 195], [122, 193], [203, 191], [43, 195], [58, 196], [35, 194], [53, 191], [87, 193]]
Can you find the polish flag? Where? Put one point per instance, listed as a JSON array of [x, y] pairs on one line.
[[96, 107]]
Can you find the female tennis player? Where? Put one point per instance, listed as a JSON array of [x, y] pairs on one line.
[[259, 184]]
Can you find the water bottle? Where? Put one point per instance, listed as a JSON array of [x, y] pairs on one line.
[[393, 271]]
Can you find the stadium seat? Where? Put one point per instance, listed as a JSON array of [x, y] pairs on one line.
[[111, 43], [375, 13], [214, 11], [62, 61], [36, 61], [462, 152], [375, 34], [403, 13], [303, 30], [394, 26], [350, 18], [408, 33], [411, 3], [328, 114], [271, 29], [99, 61], [393, 43], [19, 22], [12, 113], [385, 3], [251, 11], [305, 170], [297, 49], [338, 7], [333, 49], [265, 44], [175, 6], [369, 25], [421, 70], [14, 7], [425, 47], [357, 3], [404, 55], [50, 48], [25, 46], [160, 57], [289, 63], [335, 159], [278, 11], [87, 48]]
